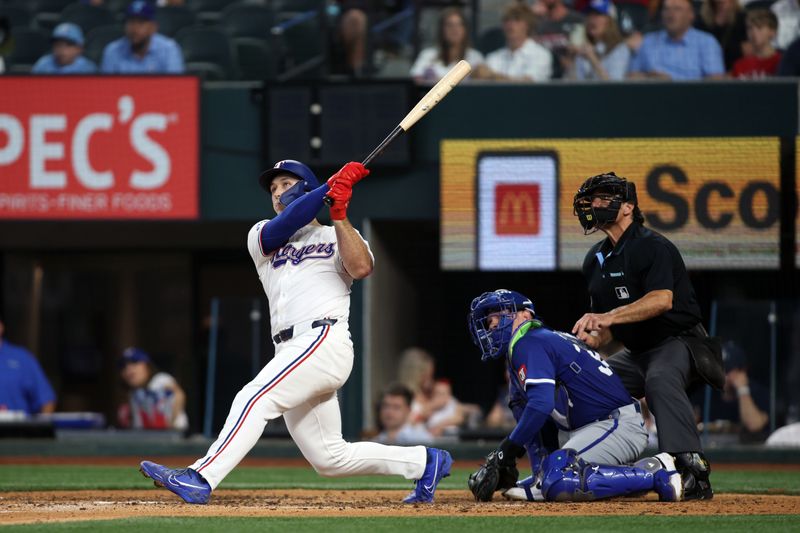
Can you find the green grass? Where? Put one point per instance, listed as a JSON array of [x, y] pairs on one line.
[[443, 524], [71, 477]]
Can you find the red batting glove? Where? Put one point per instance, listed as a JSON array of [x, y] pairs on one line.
[[349, 174], [340, 193]]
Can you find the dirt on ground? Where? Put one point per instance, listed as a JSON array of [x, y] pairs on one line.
[[66, 506]]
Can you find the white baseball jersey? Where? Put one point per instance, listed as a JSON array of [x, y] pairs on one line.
[[304, 279]]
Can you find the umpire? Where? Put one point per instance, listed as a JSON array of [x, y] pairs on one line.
[[641, 296]]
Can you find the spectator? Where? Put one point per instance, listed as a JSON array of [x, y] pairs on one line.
[[142, 50], [416, 371], [67, 53], [155, 400], [23, 385], [678, 52], [394, 418], [453, 46], [788, 13], [349, 46], [447, 414], [501, 416], [790, 62], [558, 28], [521, 59], [743, 403], [605, 55], [762, 25], [725, 20]]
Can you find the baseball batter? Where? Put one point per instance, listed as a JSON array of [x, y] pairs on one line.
[[307, 270], [555, 377]]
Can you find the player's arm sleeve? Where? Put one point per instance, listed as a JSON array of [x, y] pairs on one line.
[[535, 414], [540, 388], [657, 271], [299, 213]]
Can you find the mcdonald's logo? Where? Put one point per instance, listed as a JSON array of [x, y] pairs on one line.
[[516, 209]]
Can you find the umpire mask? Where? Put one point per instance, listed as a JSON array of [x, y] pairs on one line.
[[606, 186]]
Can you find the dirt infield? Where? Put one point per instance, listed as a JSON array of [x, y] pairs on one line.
[[43, 507]]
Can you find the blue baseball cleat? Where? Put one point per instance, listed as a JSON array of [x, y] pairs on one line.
[[185, 482], [436, 468]]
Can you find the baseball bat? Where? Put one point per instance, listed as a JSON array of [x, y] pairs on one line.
[[431, 98]]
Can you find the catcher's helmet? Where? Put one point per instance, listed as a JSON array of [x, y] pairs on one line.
[[493, 342], [615, 188], [308, 181]]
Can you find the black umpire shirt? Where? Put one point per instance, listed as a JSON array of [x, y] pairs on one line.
[[642, 261]]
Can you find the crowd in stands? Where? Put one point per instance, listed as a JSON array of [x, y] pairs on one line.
[[536, 41]]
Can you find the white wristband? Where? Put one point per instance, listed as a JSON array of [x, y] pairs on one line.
[[744, 390]]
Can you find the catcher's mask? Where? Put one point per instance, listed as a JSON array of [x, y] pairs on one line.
[[504, 304], [606, 186], [308, 181]]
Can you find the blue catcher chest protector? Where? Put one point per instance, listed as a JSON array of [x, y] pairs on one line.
[[504, 304]]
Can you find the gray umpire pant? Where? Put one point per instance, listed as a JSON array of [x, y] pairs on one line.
[[662, 374]]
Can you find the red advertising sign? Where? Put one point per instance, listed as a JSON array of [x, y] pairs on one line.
[[98, 147]]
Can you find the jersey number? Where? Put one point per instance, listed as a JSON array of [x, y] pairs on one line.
[[579, 346]]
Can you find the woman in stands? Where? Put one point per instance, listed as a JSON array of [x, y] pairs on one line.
[[604, 55], [453, 45]]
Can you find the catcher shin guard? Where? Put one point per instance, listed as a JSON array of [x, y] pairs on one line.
[[567, 477]]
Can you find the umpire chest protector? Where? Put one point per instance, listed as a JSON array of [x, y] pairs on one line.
[[642, 261]]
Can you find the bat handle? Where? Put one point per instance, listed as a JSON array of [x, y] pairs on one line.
[[375, 153]]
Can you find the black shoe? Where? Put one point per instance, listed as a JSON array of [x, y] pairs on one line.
[[695, 470]]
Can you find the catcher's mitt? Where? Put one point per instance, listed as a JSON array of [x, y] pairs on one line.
[[494, 474]]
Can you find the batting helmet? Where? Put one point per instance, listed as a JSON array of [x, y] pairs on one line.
[[615, 188], [493, 341], [308, 181]]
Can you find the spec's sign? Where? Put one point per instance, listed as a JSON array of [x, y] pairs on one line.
[[99, 148], [717, 199]]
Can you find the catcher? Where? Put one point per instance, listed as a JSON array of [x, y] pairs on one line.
[[556, 379]]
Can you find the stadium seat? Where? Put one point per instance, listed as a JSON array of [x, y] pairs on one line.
[[244, 20], [98, 39], [87, 17], [46, 13], [208, 11], [208, 45], [16, 15], [632, 17], [491, 40], [172, 19], [295, 6], [255, 58], [303, 41], [29, 45], [206, 71]]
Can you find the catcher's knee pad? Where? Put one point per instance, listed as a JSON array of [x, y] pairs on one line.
[[561, 476]]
